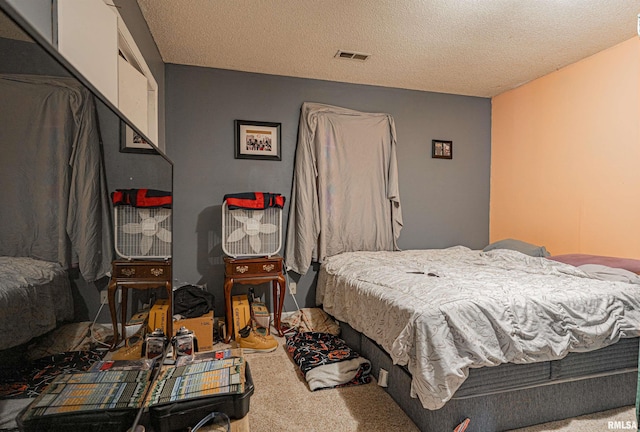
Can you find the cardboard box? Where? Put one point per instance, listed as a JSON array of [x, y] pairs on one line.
[[260, 315], [241, 314], [159, 315], [202, 328]]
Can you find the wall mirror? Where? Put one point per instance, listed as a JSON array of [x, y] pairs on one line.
[[30, 68]]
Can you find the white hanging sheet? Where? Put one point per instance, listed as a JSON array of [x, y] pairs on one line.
[[345, 188], [55, 204]]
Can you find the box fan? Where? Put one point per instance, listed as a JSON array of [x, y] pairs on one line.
[[251, 232], [142, 232]]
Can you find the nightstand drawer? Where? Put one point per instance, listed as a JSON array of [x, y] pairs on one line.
[[246, 267], [152, 271]]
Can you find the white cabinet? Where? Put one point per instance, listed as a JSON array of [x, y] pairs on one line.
[[88, 39], [94, 39]]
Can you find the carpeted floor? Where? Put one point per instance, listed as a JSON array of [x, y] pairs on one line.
[[283, 402], [623, 418]]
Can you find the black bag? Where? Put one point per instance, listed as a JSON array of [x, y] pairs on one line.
[[191, 301]]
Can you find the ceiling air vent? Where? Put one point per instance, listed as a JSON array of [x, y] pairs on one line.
[[352, 55]]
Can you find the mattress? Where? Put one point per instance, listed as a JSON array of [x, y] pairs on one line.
[[444, 312], [34, 296], [619, 358], [518, 402]]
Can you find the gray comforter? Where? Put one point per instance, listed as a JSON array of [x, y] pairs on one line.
[[442, 312], [34, 297]]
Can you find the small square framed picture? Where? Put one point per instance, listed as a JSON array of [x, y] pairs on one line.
[[257, 140], [441, 149]]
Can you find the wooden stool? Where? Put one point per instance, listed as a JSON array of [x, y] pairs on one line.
[[137, 275], [254, 271]]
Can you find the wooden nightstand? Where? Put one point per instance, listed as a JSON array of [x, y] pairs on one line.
[[137, 275], [254, 271]]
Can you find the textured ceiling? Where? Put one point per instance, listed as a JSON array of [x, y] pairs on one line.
[[469, 47]]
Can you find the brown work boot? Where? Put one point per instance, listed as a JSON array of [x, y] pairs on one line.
[[250, 341]]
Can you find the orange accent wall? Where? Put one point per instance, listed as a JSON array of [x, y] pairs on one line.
[[565, 157]]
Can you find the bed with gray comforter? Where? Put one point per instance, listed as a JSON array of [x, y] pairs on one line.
[[442, 313]]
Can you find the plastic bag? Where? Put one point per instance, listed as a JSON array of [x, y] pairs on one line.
[[191, 301]]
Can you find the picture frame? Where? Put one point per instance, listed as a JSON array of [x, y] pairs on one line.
[[257, 140], [132, 142], [441, 149]]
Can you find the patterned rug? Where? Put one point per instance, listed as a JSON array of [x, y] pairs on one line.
[[27, 380]]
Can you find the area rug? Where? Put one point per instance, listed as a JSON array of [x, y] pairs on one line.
[[28, 380]]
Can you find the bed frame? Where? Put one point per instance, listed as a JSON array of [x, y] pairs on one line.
[[512, 396]]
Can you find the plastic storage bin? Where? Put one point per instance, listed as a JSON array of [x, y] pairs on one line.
[[98, 421], [185, 414]]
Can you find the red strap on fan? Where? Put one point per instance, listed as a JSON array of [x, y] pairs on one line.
[[142, 198], [254, 200]]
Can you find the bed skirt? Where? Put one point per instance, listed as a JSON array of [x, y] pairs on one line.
[[512, 396]]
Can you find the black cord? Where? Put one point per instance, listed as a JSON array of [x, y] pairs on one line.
[[213, 415], [156, 373]]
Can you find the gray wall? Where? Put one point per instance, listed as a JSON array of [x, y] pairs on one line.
[[444, 202]]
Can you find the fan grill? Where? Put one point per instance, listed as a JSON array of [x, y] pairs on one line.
[[251, 232], [142, 232]]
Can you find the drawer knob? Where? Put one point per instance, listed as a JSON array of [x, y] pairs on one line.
[[157, 271], [268, 267], [242, 269], [128, 271]]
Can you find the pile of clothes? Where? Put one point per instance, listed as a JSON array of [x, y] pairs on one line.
[[324, 360]]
